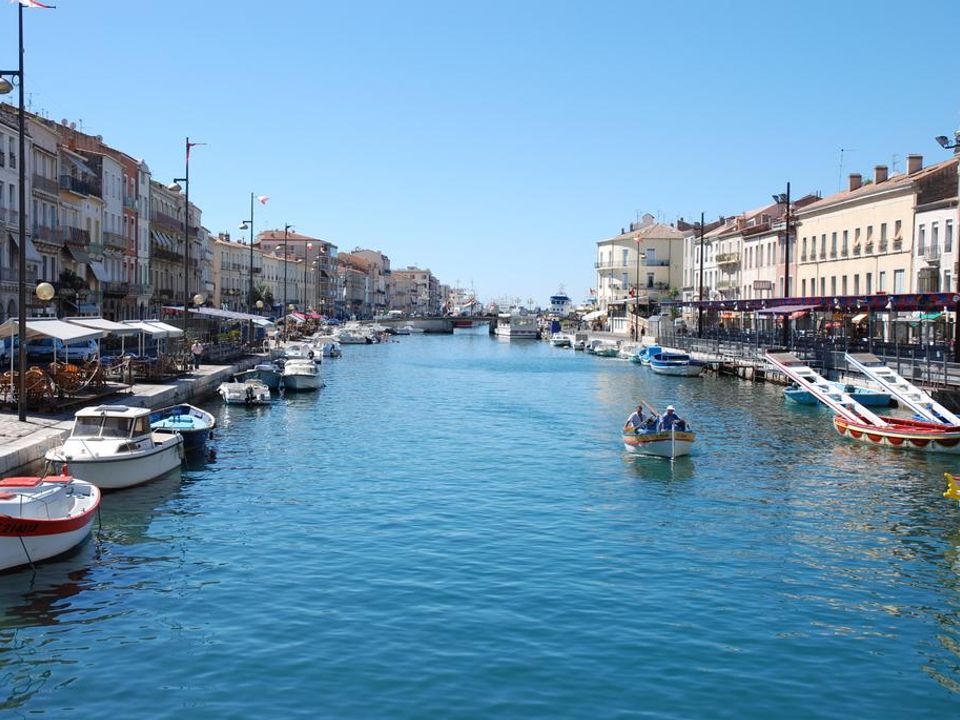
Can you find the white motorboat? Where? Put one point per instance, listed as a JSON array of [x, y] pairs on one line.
[[328, 345], [563, 340], [42, 517], [113, 446], [249, 392], [302, 350], [300, 375]]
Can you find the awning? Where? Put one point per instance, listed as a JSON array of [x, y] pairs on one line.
[[98, 270], [930, 315], [78, 254], [68, 332], [32, 254], [595, 314], [77, 163], [172, 330], [859, 318], [232, 315], [98, 323], [785, 309], [146, 328]]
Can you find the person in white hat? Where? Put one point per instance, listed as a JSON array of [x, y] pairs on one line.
[[669, 419]]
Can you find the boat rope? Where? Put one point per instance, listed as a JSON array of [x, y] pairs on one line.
[[26, 552]]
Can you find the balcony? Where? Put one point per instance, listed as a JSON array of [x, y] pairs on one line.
[[130, 202], [80, 187], [844, 251], [931, 255], [45, 184], [48, 235], [868, 248], [897, 244], [724, 285], [857, 249], [656, 263], [116, 288], [114, 241], [9, 216], [77, 237], [11, 275], [169, 221], [883, 246], [728, 258], [610, 265], [95, 249]]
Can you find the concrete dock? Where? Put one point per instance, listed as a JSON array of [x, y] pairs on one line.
[[24, 443]]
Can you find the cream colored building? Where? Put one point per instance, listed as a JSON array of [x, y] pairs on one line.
[[861, 241]]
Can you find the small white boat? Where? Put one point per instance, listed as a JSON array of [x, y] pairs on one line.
[[302, 351], [42, 517], [410, 330], [300, 375], [113, 446], [562, 340], [604, 348], [249, 392], [517, 325], [665, 443], [680, 364]]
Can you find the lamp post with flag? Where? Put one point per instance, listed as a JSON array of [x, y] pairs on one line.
[[175, 187], [636, 293], [248, 225], [6, 87]]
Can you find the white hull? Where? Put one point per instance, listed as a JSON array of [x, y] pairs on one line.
[[245, 393], [114, 472], [677, 370], [35, 530], [299, 383], [661, 444], [516, 333]]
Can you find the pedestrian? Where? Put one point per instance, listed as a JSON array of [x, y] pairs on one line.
[[197, 350]]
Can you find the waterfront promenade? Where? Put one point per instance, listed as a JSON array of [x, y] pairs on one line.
[[23, 443]]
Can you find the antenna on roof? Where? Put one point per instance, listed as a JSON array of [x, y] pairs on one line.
[[894, 161], [840, 180]]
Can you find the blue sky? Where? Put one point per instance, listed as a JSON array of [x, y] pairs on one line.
[[494, 142]]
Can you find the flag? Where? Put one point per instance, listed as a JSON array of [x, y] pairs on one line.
[[33, 4], [263, 199]]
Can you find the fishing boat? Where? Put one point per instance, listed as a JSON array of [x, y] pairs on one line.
[[249, 392], [863, 395], [517, 325], [661, 443], [644, 354], [561, 340], [113, 446], [605, 348], [42, 517], [671, 363], [270, 374], [192, 423], [300, 375]]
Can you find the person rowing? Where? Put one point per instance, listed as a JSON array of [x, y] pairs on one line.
[[671, 421], [635, 421]]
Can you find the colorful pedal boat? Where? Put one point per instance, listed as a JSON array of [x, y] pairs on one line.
[[42, 517], [902, 433]]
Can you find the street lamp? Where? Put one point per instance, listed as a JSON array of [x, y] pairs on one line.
[[306, 258], [175, 187], [286, 230], [259, 306], [6, 87], [784, 199], [700, 304], [248, 225], [636, 294]]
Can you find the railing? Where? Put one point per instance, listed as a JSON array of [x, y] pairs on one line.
[[94, 249], [116, 288], [45, 184], [844, 251], [656, 263], [115, 240], [931, 254], [77, 236], [140, 289], [857, 249], [728, 258], [11, 275], [130, 202], [883, 246], [868, 248], [48, 235], [9, 215], [163, 219], [897, 244], [81, 187]]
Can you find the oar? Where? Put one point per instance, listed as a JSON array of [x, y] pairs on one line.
[[650, 407]]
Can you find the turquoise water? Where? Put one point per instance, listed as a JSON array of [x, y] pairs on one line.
[[451, 529]]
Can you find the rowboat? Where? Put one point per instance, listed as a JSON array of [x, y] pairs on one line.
[[863, 395], [42, 517], [191, 423], [902, 433], [666, 444]]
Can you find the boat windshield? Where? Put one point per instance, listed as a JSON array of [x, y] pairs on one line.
[[114, 427], [110, 427]]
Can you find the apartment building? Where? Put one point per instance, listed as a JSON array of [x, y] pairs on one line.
[[415, 291], [861, 241]]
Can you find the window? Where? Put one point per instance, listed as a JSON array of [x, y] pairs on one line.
[[883, 232], [882, 281], [869, 233], [921, 239], [856, 284], [803, 251], [843, 285], [823, 286], [935, 237], [649, 280], [898, 277], [833, 285], [843, 248], [856, 236], [833, 245], [869, 280], [803, 288], [896, 229], [823, 246], [625, 251], [946, 281], [948, 237]]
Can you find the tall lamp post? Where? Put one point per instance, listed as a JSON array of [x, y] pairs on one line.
[[286, 230], [175, 187], [6, 87], [306, 261], [636, 294], [248, 225], [784, 199], [945, 143], [700, 304]]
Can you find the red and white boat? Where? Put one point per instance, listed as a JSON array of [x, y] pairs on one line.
[[854, 421], [42, 517]]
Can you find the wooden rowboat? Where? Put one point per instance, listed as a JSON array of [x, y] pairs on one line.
[[667, 444]]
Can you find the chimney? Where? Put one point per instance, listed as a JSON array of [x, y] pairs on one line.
[[914, 164], [880, 173], [856, 180]]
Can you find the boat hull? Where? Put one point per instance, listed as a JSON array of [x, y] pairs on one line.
[[30, 539], [122, 471], [867, 398], [690, 369], [301, 383], [193, 424], [906, 434], [660, 444]]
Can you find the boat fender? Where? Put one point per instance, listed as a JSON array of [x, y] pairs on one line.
[[310, 354]]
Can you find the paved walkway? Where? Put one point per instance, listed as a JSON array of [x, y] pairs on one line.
[[24, 443]]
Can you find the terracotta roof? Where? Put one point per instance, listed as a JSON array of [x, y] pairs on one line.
[[653, 231], [902, 180]]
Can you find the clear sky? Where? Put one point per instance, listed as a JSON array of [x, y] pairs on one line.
[[495, 142]]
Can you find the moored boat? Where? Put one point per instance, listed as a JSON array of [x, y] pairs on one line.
[[562, 340], [194, 424], [113, 446], [249, 392], [42, 517], [680, 364], [863, 395], [902, 433], [300, 375], [270, 374], [645, 353]]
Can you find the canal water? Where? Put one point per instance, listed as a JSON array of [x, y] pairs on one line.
[[451, 529]]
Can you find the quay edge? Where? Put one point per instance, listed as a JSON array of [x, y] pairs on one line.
[[23, 444]]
